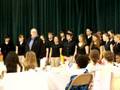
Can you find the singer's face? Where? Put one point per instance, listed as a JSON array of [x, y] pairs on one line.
[[88, 32], [56, 39], [33, 33], [7, 40], [21, 39]]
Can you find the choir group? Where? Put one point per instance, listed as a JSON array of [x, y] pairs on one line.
[[56, 50], [87, 51]]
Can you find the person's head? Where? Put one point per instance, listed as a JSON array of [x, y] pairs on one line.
[[82, 61], [21, 38], [95, 38], [95, 41], [117, 38], [109, 56], [88, 32], [117, 58], [111, 34], [81, 38], [62, 34], [11, 62], [105, 37], [50, 35], [94, 55], [99, 33], [56, 39], [6, 39], [30, 61], [34, 33], [69, 36]]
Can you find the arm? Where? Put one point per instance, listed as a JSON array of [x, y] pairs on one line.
[[50, 54], [111, 48], [87, 49], [101, 51], [47, 51], [16, 49], [21, 68], [75, 51]]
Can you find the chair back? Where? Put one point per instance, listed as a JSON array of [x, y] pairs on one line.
[[83, 79]]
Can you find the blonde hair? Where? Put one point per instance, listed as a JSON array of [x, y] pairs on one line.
[[118, 36], [109, 56], [30, 61]]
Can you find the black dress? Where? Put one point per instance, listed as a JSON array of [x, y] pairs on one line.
[[81, 49], [21, 48], [89, 40], [93, 46]]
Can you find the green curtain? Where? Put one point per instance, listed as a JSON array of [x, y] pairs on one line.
[[19, 16]]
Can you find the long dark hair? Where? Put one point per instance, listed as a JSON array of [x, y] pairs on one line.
[[11, 62]]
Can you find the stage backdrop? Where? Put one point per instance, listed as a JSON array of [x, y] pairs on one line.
[[19, 16]]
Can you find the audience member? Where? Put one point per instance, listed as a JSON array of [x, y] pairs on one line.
[[11, 62], [82, 62], [30, 62], [94, 59]]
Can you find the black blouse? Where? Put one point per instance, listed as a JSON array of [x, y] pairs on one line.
[[55, 50], [68, 48]]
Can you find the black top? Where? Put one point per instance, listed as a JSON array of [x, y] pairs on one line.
[[68, 48], [6, 48], [55, 50], [117, 48], [49, 43], [81, 49], [112, 41], [93, 46], [89, 40], [102, 42], [21, 48], [107, 46]]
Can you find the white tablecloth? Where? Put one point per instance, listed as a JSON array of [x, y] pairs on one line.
[[41, 80]]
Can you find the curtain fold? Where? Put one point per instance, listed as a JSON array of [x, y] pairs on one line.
[[19, 16]]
